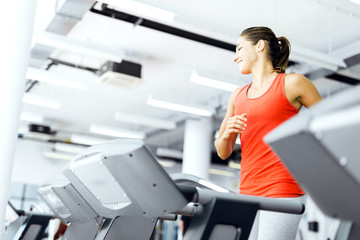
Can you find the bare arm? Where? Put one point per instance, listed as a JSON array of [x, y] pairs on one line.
[[301, 91], [230, 127]]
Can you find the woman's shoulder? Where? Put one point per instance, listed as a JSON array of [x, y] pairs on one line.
[[296, 80], [300, 87], [294, 77], [236, 92]]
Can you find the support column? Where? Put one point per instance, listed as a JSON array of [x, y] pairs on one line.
[[197, 147], [16, 24]]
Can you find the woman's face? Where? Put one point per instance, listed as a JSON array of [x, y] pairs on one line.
[[245, 55]]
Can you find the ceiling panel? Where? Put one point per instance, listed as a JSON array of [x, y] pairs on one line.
[[168, 61]]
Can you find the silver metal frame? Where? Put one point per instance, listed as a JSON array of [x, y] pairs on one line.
[[132, 166], [77, 207]]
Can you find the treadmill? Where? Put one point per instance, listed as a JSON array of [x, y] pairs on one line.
[[69, 206], [123, 183], [321, 148]]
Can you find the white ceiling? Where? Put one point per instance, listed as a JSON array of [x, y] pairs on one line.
[[324, 29]]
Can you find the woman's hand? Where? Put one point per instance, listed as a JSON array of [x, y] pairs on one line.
[[235, 124], [230, 127]]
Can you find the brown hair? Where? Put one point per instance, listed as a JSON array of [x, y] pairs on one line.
[[278, 48]]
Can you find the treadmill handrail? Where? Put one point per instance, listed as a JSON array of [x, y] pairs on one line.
[[192, 180], [197, 190], [204, 196]]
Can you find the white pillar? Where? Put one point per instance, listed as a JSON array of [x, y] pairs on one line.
[[16, 26], [197, 147]]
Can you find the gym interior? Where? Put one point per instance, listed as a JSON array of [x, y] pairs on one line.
[[110, 110]]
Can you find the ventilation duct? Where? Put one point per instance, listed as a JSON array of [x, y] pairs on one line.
[[124, 74], [36, 128]]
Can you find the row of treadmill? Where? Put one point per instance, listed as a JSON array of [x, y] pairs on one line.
[[117, 190]]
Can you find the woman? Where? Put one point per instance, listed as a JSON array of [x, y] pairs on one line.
[[253, 111]]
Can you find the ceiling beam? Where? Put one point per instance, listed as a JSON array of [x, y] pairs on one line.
[[73, 45], [298, 54], [316, 58], [138, 21], [324, 73], [65, 18], [105, 11], [351, 61], [348, 50], [344, 79]]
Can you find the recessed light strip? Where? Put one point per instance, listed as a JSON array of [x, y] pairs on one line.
[[60, 156], [178, 107], [73, 45], [86, 140], [32, 117], [51, 78], [221, 172], [41, 101], [196, 78], [143, 120], [116, 132], [71, 148], [171, 153]]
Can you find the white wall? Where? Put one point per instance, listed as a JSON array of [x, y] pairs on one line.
[[31, 167]]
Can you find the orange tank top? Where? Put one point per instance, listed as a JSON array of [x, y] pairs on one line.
[[262, 172]]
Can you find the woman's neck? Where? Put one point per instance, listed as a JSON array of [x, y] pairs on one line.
[[263, 75]]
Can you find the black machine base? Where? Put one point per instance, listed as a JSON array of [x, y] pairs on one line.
[[222, 218]]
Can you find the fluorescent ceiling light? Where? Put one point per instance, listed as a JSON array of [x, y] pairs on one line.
[[51, 78], [116, 132], [41, 101], [356, 1], [60, 156], [179, 107], [86, 140], [142, 9], [196, 78], [73, 45], [32, 117], [168, 164], [234, 164], [65, 147], [221, 172], [171, 153], [36, 135], [143, 120]]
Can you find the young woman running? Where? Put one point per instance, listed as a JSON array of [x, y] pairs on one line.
[[253, 111]]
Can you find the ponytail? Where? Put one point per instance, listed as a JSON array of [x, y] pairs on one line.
[[282, 60]]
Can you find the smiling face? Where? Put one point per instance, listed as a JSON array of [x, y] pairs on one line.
[[246, 55]]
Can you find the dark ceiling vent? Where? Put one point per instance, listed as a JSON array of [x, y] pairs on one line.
[[124, 74], [35, 128]]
